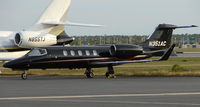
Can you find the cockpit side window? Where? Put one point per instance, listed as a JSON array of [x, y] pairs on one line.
[[43, 51], [37, 52]]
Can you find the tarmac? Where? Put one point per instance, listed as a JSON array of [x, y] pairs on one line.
[[65, 91]]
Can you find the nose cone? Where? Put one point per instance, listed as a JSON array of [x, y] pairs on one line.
[[8, 65], [16, 64]]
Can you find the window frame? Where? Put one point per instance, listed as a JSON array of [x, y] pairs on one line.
[[39, 52]]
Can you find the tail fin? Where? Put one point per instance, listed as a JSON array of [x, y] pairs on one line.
[[161, 38], [54, 19], [56, 12]]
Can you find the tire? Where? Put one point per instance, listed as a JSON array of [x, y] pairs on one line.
[[107, 75], [24, 76], [89, 74]]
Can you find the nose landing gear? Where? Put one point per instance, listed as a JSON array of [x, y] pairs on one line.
[[24, 75]]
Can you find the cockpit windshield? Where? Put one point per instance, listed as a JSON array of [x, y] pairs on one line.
[[37, 52]]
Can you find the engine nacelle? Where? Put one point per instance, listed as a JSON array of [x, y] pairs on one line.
[[30, 39], [125, 51]]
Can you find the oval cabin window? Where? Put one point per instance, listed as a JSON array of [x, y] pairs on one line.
[[80, 53], [65, 53], [87, 53], [72, 53], [95, 53]]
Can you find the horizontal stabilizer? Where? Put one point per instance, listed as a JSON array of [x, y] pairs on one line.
[[8, 56], [71, 24], [169, 26]]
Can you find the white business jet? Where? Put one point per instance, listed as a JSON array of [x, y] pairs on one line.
[[49, 30]]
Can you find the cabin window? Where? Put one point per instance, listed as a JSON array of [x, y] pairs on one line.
[[65, 53], [72, 53], [95, 53], [37, 52], [87, 53], [80, 53]]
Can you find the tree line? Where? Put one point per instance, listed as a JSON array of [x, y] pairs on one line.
[[178, 39]]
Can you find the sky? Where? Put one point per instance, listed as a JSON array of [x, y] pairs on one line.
[[119, 17]]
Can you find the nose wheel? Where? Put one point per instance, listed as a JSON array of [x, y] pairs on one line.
[[24, 75], [89, 73]]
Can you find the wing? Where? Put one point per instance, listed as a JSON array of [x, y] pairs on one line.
[[163, 58]]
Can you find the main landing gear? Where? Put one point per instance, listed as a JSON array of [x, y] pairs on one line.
[[89, 73], [110, 73], [24, 75]]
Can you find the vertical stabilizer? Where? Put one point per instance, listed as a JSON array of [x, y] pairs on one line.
[[55, 12], [161, 38]]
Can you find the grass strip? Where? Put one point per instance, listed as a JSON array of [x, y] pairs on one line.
[[173, 67]]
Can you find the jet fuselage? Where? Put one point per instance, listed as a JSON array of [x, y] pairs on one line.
[[76, 56]]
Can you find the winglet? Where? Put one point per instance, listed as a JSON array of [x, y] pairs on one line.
[[167, 53]]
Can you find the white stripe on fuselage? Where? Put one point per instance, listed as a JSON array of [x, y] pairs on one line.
[[77, 60], [93, 59]]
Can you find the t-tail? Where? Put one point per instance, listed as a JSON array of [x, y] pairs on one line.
[[54, 19], [55, 12], [161, 38]]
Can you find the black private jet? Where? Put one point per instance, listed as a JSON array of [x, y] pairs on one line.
[[76, 57]]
